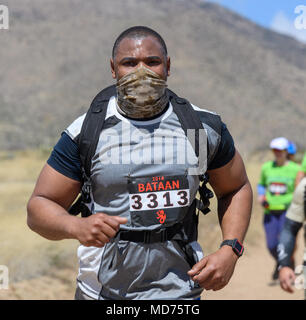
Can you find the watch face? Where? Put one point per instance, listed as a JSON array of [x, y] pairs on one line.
[[238, 247]]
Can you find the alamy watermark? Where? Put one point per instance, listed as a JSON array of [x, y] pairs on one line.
[[129, 145], [4, 17], [300, 20], [4, 277]]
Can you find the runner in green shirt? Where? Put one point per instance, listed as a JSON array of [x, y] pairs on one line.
[[275, 189], [279, 185]]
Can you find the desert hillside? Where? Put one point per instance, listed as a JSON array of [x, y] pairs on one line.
[[56, 59]]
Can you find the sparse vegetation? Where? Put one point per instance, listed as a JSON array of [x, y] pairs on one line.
[[56, 59]]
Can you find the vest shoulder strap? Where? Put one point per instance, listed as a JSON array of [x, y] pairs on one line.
[[92, 126], [190, 119], [187, 118]]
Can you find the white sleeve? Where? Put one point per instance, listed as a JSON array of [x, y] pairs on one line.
[[75, 128]]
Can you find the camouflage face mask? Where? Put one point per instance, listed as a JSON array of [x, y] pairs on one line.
[[141, 94]]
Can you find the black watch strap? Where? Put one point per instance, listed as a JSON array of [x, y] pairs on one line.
[[237, 247]]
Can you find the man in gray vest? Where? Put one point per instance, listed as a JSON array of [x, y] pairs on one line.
[[139, 240], [295, 218]]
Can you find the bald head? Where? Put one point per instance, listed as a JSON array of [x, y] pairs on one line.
[[139, 32]]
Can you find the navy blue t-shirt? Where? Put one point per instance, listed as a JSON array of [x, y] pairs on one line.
[[65, 158]]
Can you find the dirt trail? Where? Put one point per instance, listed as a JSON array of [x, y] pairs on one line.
[[252, 277], [60, 286], [251, 281]]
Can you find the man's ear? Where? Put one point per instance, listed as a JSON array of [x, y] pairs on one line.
[[112, 64], [168, 66]]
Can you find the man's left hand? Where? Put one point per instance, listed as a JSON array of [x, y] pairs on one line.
[[215, 271], [286, 278]]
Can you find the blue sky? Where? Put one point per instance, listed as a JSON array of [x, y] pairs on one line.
[[278, 15]]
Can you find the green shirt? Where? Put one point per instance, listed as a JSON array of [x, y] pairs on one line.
[[303, 166], [279, 183]]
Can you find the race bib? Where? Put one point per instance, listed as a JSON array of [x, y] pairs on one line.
[[277, 188], [158, 200]]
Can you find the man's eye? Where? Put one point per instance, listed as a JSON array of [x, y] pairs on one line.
[[129, 64], [153, 63]]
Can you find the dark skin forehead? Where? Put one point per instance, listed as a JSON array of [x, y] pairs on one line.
[[133, 52], [148, 45]]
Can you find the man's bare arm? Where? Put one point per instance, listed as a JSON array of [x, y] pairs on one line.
[[48, 216], [47, 207], [234, 194]]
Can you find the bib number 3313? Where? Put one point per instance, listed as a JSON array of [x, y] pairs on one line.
[[157, 197]]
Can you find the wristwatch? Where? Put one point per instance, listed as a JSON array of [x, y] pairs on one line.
[[237, 247]]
